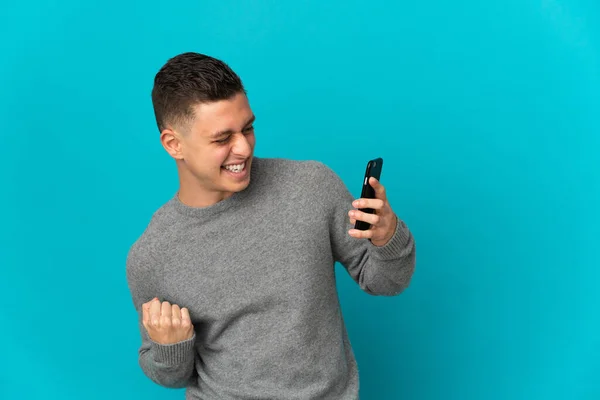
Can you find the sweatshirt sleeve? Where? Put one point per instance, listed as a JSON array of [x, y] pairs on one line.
[[385, 270], [170, 365]]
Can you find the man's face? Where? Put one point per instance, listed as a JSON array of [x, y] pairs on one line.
[[216, 152]]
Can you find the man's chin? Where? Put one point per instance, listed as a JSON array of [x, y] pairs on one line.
[[238, 186]]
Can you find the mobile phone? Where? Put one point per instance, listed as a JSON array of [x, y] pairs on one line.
[[373, 170]]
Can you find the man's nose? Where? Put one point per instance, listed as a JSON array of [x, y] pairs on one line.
[[242, 145]]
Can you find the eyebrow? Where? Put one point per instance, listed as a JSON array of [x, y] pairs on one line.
[[229, 131]]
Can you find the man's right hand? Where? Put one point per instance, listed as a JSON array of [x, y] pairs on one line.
[[166, 323]]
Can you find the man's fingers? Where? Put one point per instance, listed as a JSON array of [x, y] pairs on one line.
[[165, 309], [372, 219], [146, 314], [176, 311], [375, 204], [378, 187], [176, 316], [166, 323], [356, 233], [155, 312], [186, 321], [165, 314], [185, 314]]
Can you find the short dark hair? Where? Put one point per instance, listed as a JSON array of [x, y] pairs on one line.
[[187, 80]]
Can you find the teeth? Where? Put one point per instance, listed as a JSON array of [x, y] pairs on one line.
[[235, 168]]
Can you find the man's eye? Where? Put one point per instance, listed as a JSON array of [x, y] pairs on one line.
[[224, 140], [249, 129]]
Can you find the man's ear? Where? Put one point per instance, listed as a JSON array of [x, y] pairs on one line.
[[171, 141]]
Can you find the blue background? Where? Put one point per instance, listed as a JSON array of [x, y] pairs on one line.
[[487, 116]]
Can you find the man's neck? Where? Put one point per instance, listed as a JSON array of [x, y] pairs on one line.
[[196, 198]]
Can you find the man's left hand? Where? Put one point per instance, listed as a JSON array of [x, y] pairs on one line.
[[383, 221]]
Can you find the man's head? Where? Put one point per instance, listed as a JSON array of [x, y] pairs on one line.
[[205, 124]]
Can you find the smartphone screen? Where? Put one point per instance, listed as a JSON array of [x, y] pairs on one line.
[[373, 170]]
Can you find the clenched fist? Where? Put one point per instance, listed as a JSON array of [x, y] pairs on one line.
[[166, 323]]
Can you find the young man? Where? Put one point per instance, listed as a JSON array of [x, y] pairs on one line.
[[233, 278]]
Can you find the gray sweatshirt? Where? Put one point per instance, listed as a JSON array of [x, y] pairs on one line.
[[256, 272]]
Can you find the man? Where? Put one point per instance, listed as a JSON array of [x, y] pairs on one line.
[[233, 278]]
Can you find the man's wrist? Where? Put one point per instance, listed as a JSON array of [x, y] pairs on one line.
[[383, 242]]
